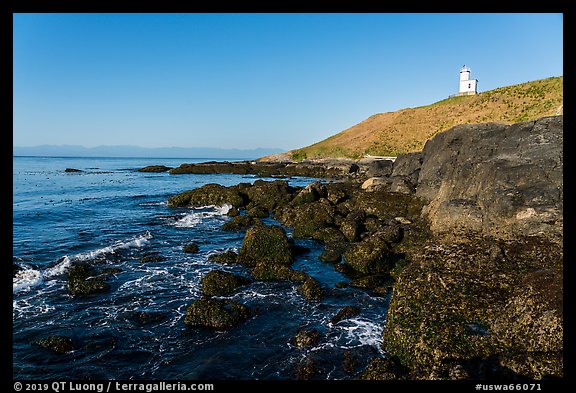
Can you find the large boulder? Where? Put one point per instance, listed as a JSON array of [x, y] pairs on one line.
[[270, 194], [309, 218], [84, 279], [491, 307], [499, 180], [266, 243], [373, 255]]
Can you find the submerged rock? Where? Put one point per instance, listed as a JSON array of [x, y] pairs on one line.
[[345, 313], [191, 248], [239, 223], [306, 337], [83, 280], [216, 314], [56, 343]]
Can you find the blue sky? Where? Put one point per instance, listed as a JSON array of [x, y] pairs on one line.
[[255, 80]]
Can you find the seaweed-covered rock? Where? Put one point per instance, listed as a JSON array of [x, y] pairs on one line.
[[306, 337], [83, 279], [221, 283], [270, 271], [208, 195], [332, 253], [353, 226], [270, 195], [311, 193], [152, 257], [225, 257], [239, 223], [307, 219], [266, 243], [372, 255], [56, 343], [191, 248], [155, 168], [216, 314], [485, 304], [389, 369], [73, 170], [345, 313], [311, 289]]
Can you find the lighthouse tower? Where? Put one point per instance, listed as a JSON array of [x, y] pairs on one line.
[[467, 85]]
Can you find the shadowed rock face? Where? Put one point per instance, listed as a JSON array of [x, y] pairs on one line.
[[495, 179]]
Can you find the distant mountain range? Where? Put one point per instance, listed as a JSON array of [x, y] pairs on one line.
[[136, 151]]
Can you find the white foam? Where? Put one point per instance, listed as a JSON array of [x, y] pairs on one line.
[[362, 332], [197, 215], [28, 277]]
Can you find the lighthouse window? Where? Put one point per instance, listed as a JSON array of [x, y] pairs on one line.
[[469, 85]]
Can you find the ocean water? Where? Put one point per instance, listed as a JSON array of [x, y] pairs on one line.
[[111, 215]]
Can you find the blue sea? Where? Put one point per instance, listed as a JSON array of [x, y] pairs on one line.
[[111, 215]]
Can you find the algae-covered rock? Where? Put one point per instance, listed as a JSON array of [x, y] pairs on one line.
[[225, 257], [239, 223], [270, 271], [372, 255], [345, 313], [221, 283], [480, 303], [191, 248], [311, 289], [266, 243], [83, 279], [311, 193], [353, 225], [155, 168], [208, 195], [306, 337], [216, 314], [56, 343], [308, 219], [270, 195]]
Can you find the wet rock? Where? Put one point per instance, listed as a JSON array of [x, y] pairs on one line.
[[16, 268], [191, 248], [257, 212], [221, 283], [216, 314], [307, 219], [57, 344], [72, 170], [142, 318], [225, 257], [306, 338], [353, 226], [345, 313], [390, 369], [491, 305], [267, 271], [266, 243], [372, 255], [311, 289], [84, 280], [208, 195], [270, 195], [239, 223], [381, 282], [155, 168], [331, 254], [152, 257], [308, 368], [311, 193]]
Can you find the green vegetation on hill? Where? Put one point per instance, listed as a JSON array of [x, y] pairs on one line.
[[407, 130]]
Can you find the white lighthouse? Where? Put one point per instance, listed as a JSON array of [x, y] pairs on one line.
[[467, 85]]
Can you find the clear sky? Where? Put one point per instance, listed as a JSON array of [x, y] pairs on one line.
[[255, 80]]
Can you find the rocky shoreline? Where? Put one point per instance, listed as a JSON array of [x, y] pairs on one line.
[[467, 235]]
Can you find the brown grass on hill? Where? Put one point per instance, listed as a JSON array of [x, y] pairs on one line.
[[407, 130]]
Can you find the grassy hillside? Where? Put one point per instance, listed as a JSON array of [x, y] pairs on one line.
[[407, 130]]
